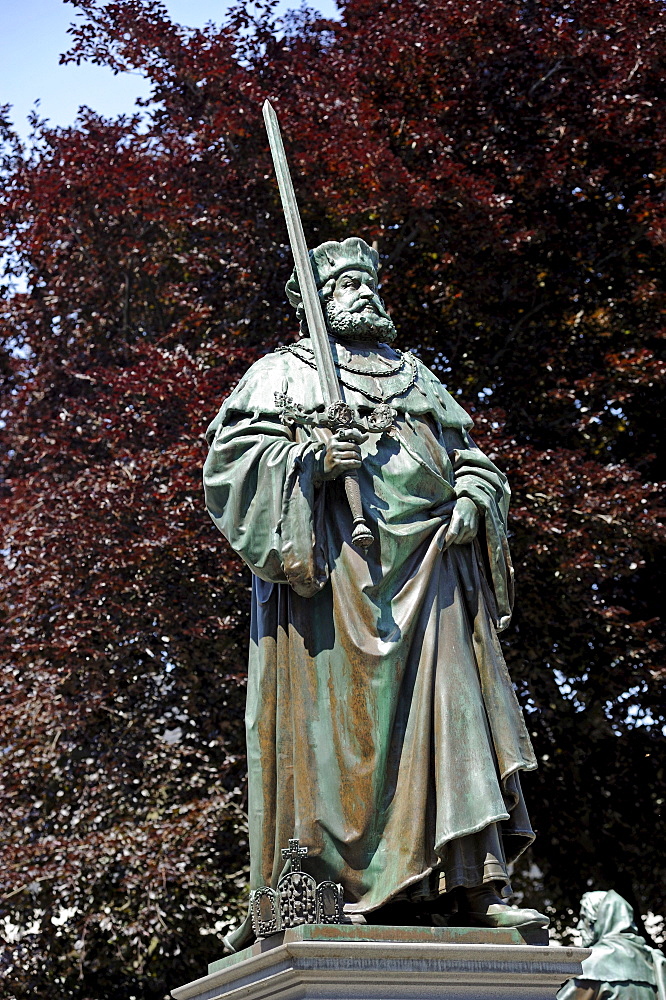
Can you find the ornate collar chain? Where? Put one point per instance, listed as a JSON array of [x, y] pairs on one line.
[[306, 355], [371, 373]]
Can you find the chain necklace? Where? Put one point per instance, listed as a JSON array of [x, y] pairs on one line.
[[379, 373], [355, 388]]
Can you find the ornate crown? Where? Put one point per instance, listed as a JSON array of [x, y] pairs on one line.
[[298, 900]]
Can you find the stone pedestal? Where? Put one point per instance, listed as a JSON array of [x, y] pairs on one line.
[[343, 962]]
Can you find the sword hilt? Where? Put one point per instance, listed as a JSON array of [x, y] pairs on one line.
[[362, 537]]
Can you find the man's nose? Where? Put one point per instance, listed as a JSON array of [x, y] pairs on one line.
[[366, 292]]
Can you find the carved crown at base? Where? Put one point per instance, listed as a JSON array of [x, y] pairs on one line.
[[299, 899]]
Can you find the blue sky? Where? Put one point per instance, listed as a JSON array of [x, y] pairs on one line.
[[34, 33]]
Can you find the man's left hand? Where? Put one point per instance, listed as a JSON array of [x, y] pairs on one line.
[[464, 523]]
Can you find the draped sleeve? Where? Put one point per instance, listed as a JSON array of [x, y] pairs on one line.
[[479, 479], [261, 491]]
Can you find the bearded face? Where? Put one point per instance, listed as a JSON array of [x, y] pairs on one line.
[[586, 931], [354, 310]]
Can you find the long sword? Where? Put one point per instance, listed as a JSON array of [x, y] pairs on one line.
[[328, 380]]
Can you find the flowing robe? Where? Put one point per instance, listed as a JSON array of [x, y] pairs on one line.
[[621, 965], [383, 729]]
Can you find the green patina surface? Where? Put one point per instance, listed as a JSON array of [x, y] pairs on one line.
[[382, 725], [383, 730]]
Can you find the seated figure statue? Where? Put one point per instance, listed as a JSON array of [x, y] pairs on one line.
[[622, 966]]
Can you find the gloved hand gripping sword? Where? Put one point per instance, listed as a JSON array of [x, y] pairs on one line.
[[338, 412]]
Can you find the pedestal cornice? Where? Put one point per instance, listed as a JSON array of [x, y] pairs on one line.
[[316, 962]]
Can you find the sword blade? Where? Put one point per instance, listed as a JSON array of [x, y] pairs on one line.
[[321, 346]]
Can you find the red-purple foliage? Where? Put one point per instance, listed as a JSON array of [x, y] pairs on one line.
[[508, 159]]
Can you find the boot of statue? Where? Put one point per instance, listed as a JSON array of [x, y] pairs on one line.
[[482, 906]]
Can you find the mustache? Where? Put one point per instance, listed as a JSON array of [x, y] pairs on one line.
[[360, 304]]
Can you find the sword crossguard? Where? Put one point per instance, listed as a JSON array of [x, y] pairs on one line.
[[336, 415]]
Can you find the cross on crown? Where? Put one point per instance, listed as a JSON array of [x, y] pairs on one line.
[[295, 853]]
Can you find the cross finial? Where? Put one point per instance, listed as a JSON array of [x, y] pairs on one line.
[[295, 853]]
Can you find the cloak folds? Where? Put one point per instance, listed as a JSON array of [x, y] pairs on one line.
[[621, 965], [382, 727]]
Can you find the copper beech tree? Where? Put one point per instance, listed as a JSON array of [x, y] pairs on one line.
[[508, 160]]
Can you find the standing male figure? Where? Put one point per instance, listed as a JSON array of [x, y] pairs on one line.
[[383, 730]]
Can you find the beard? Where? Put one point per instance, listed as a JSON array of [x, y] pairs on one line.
[[372, 326]]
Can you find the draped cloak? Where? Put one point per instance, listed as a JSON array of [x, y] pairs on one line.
[[621, 965], [382, 725]]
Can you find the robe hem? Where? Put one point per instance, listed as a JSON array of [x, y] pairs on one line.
[[357, 908], [499, 818], [503, 817], [532, 766]]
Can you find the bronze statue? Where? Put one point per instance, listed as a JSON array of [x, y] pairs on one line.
[[621, 966], [383, 731]]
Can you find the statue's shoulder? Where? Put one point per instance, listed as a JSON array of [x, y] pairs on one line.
[[427, 374], [427, 379], [269, 369], [268, 363], [449, 411], [278, 372]]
